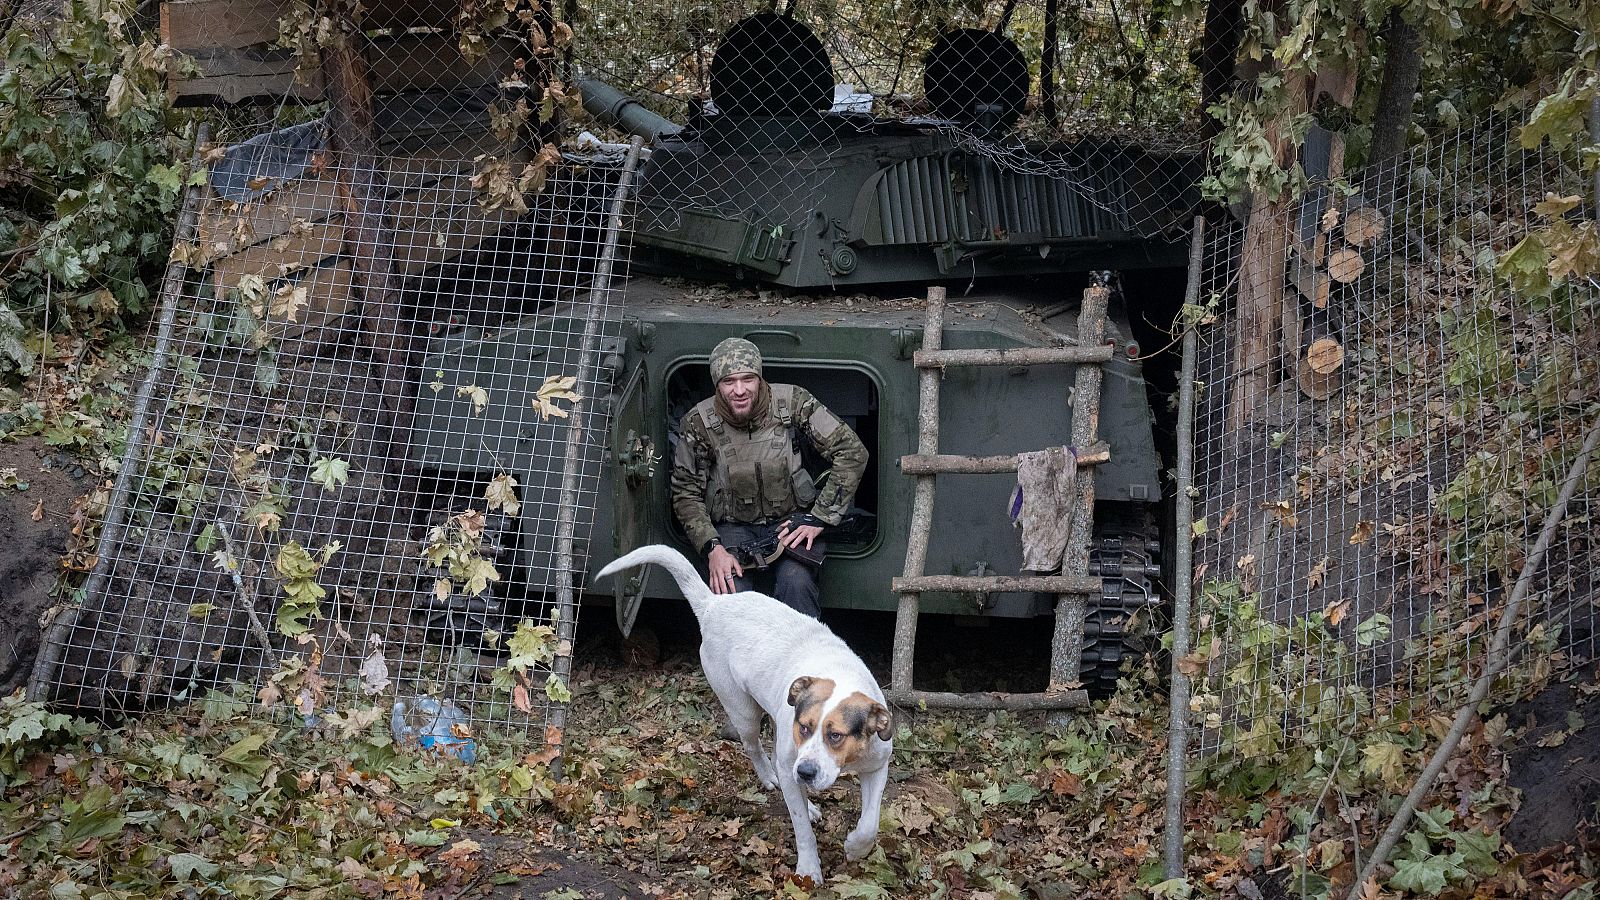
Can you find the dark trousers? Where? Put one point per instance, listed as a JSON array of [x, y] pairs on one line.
[[794, 583]]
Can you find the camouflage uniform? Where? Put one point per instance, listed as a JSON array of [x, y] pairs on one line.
[[735, 482]]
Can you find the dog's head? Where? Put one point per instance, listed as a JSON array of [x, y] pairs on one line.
[[833, 729]]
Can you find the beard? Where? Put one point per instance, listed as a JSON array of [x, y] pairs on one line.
[[758, 410]]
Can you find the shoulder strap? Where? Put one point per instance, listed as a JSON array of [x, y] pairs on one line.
[[783, 404], [707, 409]]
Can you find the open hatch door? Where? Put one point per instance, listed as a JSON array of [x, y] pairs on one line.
[[633, 453]]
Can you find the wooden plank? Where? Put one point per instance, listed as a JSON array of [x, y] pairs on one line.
[[1068, 699], [1047, 584], [1021, 356], [302, 248], [405, 63], [916, 464], [328, 297], [440, 223], [227, 227], [236, 24]]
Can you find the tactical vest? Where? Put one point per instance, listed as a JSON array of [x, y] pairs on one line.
[[756, 475]]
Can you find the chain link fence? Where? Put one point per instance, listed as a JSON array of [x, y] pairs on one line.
[[1390, 400]]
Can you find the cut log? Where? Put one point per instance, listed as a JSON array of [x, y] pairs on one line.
[[1346, 265], [1317, 387], [1325, 355], [1318, 371], [1363, 226]]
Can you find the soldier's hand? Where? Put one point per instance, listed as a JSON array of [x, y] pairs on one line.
[[801, 536], [723, 569]]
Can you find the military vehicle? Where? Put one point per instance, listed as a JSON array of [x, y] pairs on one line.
[[828, 224]]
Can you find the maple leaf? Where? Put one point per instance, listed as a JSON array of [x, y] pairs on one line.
[[330, 472], [555, 387], [471, 523], [480, 397], [1385, 759], [479, 572], [557, 690], [1552, 205], [502, 494]]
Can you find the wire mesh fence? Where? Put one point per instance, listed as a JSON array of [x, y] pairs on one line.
[[1389, 408], [369, 460]]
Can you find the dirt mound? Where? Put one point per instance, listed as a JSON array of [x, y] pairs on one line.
[[30, 556]]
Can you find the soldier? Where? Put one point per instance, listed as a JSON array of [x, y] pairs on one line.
[[737, 474]]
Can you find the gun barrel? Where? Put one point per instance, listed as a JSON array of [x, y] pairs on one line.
[[613, 107]]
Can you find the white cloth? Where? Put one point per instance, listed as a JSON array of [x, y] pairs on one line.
[[1043, 505]]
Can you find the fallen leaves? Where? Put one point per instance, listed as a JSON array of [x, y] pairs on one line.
[[555, 388]]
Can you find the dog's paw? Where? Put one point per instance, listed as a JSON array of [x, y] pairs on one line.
[[814, 811], [812, 871], [768, 782], [857, 845]]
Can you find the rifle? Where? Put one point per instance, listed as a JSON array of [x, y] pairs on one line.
[[765, 551]]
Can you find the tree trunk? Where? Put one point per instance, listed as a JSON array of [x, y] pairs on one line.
[[369, 235], [1261, 308], [1047, 65], [1219, 47], [1402, 71]]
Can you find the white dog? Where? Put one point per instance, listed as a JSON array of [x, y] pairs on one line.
[[828, 714]]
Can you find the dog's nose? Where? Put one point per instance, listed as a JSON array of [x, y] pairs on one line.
[[807, 771]]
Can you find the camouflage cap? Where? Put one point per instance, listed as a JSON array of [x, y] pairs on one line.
[[732, 356]]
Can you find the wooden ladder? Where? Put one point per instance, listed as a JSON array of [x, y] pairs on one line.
[[1074, 586]]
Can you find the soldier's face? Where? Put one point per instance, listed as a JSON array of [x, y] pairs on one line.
[[739, 392]]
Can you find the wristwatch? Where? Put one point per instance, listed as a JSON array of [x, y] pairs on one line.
[[705, 550]]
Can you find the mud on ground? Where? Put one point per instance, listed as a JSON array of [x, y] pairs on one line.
[[35, 523]]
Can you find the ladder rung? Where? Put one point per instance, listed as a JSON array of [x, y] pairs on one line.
[[918, 464], [1063, 699], [1048, 584], [1019, 356]]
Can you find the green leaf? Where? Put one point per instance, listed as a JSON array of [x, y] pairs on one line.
[[1477, 850], [1423, 871], [330, 472], [206, 539], [1374, 629], [187, 865], [557, 690], [85, 825], [424, 837]]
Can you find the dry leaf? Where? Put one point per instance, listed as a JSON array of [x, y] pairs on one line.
[[38, 511], [1284, 510], [502, 494], [555, 387], [1363, 532], [1336, 611], [1317, 574], [480, 397], [519, 699]]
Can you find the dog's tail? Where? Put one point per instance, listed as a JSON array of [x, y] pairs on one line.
[[682, 571]]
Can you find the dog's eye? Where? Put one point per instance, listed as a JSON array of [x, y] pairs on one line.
[[835, 738], [805, 730]]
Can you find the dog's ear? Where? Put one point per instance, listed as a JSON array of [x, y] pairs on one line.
[[881, 721], [799, 687]]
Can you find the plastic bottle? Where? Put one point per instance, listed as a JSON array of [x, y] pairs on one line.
[[435, 729]]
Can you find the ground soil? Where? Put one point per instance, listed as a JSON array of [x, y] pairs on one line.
[[1556, 764], [31, 550]]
